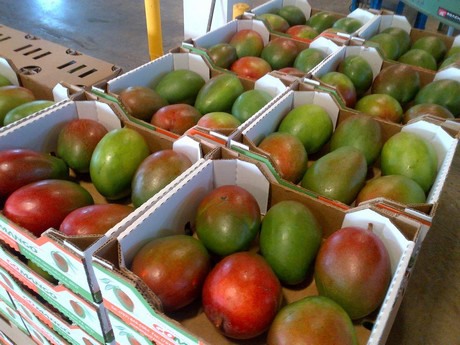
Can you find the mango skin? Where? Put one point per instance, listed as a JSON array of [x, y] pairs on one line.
[[180, 86], [115, 161], [443, 92], [19, 167], [12, 96], [409, 155], [219, 94], [398, 188], [289, 240], [249, 103], [338, 175], [298, 323], [25, 109], [361, 132]]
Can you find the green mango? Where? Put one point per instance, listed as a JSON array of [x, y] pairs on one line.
[[408, 154], [362, 132], [249, 103], [219, 94], [115, 161], [289, 240], [359, 71], [338, 175], [443, 92], [24, 110], [180, 86]]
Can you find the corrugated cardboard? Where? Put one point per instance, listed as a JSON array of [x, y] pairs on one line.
[[43, 64], [140, 309]]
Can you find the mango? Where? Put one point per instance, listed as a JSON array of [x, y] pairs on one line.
[[433, 45], [398, 188], [410, 155], [403, 88], [219, 94], [361, 132], [338, 175], [25, 109], [402, 36], [280, 52], [289, 240], [12, 96], [359, 71], [249, 103], [115, 161], [297, 323], [443, 92], [180, 86], [293, 14]]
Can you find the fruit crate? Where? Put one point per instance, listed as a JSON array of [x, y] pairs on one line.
[[42, 315], [42, 64], [366, 17], [224, 34], [89, 317], [444, 141], [387, 21], [377, 64], [149, 75], [127, 298], [12, 316], [53, 251]]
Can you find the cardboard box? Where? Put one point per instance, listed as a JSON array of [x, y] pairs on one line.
[[444, 142], [372, 56], [37, 311], [12, 316], [43, 64], [150, 73], [392, 20], [138, 307], [377, 64], [66, 257], [125, 334], [365, 16], [5, 339], [223, 34], [89, 316]]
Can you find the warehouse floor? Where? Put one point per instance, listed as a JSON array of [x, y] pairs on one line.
[[115, 31]]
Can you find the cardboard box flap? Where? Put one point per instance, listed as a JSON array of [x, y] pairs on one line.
[[324, 44], [188, 146], [28, 136], [144, 75], [382, 22], [450, 72], [271, 84], [7, 69]]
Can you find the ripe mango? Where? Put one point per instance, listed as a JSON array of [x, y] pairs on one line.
[[362, 132], [338, 175]]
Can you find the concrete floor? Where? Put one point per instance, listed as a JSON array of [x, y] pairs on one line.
[[115, 31]]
